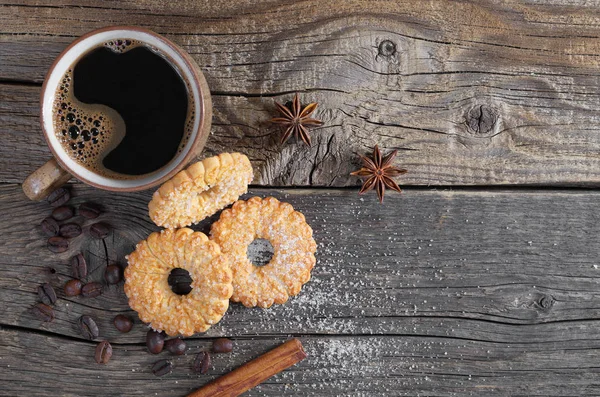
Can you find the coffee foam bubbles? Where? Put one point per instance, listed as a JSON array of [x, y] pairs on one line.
[[121, 46], [88, 132]]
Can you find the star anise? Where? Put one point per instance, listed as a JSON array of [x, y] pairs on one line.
[[379, 173], [296, 119]]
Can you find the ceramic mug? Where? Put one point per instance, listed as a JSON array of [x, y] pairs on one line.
[[62, 167]]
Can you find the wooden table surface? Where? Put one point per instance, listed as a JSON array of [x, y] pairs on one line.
[[480, 279]]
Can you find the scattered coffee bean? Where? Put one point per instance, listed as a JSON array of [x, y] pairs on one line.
[[155, 341], [99, 230], [88, 327], [89, 211], [58, 244], [73, 287], [91, 290], [79, 266], [175, 346], [43, 312], [162, 367], [103, 352], [59, 197], [62, 213], [180, 281], [50, 226], [123, 323], [70, 230], [201, 363], [47, 294], [112, 274], [222, 345]]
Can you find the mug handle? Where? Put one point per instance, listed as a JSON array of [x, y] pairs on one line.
[[44, 180]]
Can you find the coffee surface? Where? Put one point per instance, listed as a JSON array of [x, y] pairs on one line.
[[123, 111]]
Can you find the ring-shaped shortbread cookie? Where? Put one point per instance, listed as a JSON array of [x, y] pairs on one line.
[[293, 246], [150, 295], [201, 190]]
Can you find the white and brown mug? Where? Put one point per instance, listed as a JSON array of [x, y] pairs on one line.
[[65, 165]]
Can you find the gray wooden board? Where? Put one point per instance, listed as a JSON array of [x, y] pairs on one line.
[[36, 364], [433, 293], [471, 92]]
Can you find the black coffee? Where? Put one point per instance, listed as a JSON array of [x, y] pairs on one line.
[[123, 110]]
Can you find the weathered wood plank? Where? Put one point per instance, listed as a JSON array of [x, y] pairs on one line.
[[491, 266], [473, 93], [39, 365]]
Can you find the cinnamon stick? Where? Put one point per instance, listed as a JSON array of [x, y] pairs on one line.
[[254, 372]]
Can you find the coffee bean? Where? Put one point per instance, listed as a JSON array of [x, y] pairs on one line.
[[122, 323], [201, 363], [58, 244], [175, 346], [180, 281], [155, 341], [43, 312], [50, 226], [162, 367], [70, 230], [47, 294], [99, 230], [59, 197], [103, 352], [73, 287], [79, 266], [91, 290], [89, 211], [222, 345], [88, 327], [112, 274], [62, 213]]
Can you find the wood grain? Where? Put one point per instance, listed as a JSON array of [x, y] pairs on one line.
[[436, 292], [34, 364], [472, 93], [441, 292]]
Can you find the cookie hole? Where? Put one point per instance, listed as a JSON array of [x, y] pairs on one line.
[[180, 281], [260, 252]]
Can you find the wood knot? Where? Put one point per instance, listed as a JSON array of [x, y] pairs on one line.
[[387, 48], [481, 119], [544, 302]]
